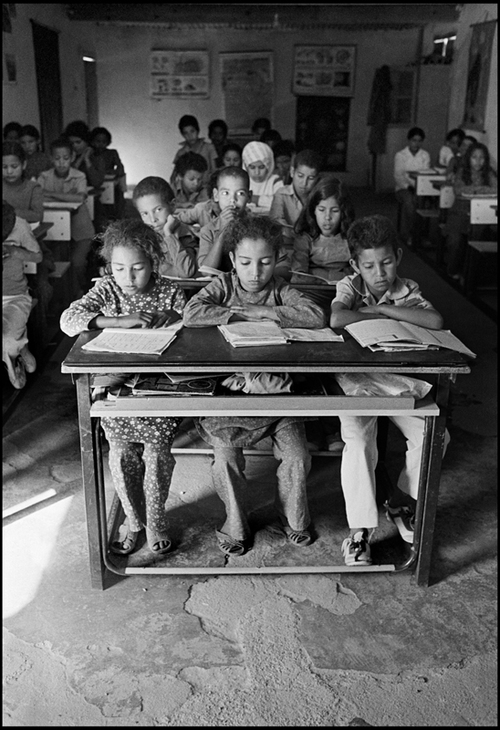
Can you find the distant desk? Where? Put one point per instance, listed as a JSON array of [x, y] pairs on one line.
[[483, 209], [108, 193], [58, 213], [204, 350], [424, 180], [90, 201]]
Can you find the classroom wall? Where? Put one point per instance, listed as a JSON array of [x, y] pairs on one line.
[[145, 130]]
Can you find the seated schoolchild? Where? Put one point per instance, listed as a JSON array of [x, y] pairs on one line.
[[231, 193], [410, 159], [65, 183], [217, 133], [231, 155], [288, 201], [100, 139], [18, 246], [190, 130], [202, 213], [25, 196], [375, 290], [36, 160], [155, 202], [11, 132], [188, 180], [133, 294], [258, 161], [283, 152], [454, 139], [251, 292]]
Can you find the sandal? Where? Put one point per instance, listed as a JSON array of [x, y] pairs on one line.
[[300, 538], [127, 545], [230, 545], [158, 542]]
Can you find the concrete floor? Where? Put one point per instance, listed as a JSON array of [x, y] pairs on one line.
[[293, 650]]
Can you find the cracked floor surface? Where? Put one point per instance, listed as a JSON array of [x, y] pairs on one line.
[[279, 650]]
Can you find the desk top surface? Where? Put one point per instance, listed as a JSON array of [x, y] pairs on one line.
[[205, 350]]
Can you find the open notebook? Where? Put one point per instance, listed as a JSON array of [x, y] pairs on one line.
[[135, 341], [391, 335]]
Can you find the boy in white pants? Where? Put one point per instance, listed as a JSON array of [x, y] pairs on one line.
[[372, 292]]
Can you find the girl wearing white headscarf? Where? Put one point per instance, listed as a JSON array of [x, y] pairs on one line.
[[258, 161]]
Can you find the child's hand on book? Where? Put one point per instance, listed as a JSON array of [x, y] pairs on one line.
[[252, 312]]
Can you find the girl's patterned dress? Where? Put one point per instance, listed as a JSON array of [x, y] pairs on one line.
[[140, 459]]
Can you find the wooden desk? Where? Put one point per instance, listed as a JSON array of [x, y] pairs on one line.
[[59, 214], [204, 350], [483, 209], [90, 201], [424, 180], [108, 194]]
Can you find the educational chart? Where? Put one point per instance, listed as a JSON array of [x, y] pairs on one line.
[[324, 70], [247, 87], [179, 74]]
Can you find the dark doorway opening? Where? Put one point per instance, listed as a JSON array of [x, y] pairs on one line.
[[48, 81], [323, 125]]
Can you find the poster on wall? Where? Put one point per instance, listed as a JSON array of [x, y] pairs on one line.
[[179, 74], [323, 70], [478, 75], [247, 89]]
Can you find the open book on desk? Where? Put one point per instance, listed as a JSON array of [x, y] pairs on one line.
[[251, 334], [140, 341], [390, 335]]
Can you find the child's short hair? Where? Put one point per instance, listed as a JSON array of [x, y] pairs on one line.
[[62, 143], [153, 186], [188, 121], [101, 130], [29, 131], [218, 123], [251, 226], [13, 148], [308, 158], [283, 148], [270, 137], [261, 123], [371, 231], [231, 171], [326, 186], [11, 127], [190, 161], [414, 131], [79, 129], [232, 147], [456, 133], [131, 233], [8, 220]]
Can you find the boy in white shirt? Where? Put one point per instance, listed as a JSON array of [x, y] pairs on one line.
[[410, 159]]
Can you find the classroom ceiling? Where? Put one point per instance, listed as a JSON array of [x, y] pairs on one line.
[[279, 17]]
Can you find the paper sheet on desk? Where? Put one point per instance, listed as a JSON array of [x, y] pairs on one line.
[[300, 334], [134, 341]]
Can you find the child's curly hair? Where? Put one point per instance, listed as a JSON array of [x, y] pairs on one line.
[[153, 186], [190, 161], [327, 186], [254, 227], [131, 233], [371, 231]]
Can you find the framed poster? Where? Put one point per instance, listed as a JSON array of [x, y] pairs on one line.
[[179, 74], [324, 70], [247, 89]]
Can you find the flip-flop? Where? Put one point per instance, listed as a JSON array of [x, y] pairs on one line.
[[300, 538], [125, 546], [154, 538], [230, 545]]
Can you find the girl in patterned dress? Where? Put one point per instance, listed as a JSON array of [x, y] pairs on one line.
[[251, 292], [131, 295]]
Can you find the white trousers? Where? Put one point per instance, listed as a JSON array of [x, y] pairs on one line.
[[15, 312], [359, 459]]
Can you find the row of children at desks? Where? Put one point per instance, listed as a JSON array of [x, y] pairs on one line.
[[134, 294]]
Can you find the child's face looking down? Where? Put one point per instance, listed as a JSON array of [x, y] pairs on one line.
[[190, 134], [154, 211], [29, 144], [232, 159], [477, 160], [257, 171], [12, 169], [327, 214], [303, 178], [232, 192], [378, 268], [131, 269], [254, 261], [62, 158], [283, 164], [192, 181]]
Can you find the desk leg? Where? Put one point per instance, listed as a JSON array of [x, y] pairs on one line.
[[89, 455], [435, 428]]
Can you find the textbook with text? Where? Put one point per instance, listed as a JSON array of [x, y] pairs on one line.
[[390, 335], [140, 341]]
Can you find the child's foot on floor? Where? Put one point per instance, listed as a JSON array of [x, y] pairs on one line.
[[16, 372], [356, 549], [404, 519]]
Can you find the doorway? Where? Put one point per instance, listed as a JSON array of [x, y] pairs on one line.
[[90, 76], [48, 82], [322, 124]]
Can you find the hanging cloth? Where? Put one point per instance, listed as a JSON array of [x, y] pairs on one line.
[[379, 110]]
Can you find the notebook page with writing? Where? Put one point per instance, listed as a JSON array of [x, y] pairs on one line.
[[134, 341]]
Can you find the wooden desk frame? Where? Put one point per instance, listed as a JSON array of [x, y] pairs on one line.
[[444, 367]]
